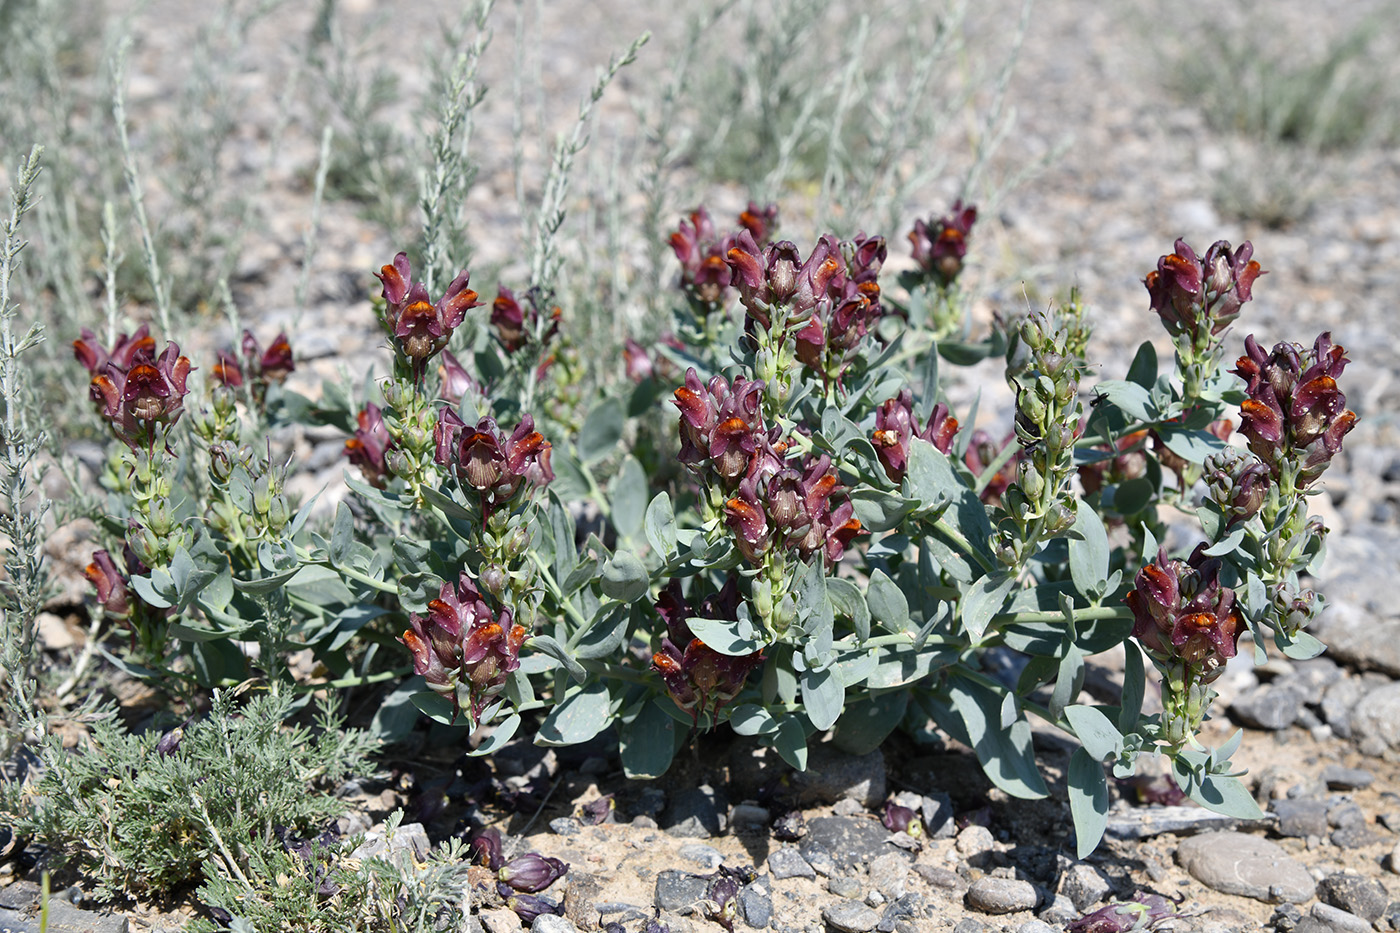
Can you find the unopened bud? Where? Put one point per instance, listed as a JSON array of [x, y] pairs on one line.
[[161, 517], [279, 513], [262, 494], [494, 579]]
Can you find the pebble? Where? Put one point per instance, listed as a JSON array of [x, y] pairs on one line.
[[1354, 836], [850, 840], [1353, 634], [705, 856], [975, 840], [820, 860], [500, 920], [1375, 720], [844, 886], [580, 899], [1336, 920], [1084, 885], [901, 912], [1035, 926], [1001, 895], [788, 863], [1301, 818], [1393, 863], [889, 873], [552, 923], [1337, 704], [1245, 865], [1354, 893], [696, 813], [1145, 822], [565, 826], [410, 837], [1269, 706], [747, 816], [1337, 777], [1060, 910], [677, 889], [53, 632], [970, 926], [942, 878], [851, 917], [755, 905]]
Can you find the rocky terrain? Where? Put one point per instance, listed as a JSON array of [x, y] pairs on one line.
[[1322, 741]]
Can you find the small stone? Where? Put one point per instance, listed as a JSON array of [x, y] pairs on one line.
[[820, 860], [1338, 920], [1393, 863], [850, 917], [1337, 777], [1355, 894], [850, 840], [1084, 885], [677, 889], [1268, 706], [409, 837], [705, 856], [900, 911], [53, 632], [1145, 822], [1375, 720], [975, 840], [788, 863], [755, 905], [1337, 703], [696, 813], [847, 806], [1345, 813], [1247, 866], [565, 826], [942, 878], [875, 899], [580, 899], [1001, 895], [1285, 918], [970, 926], [552, 923], [843, 886], [1060, 910], [889, 873], [500, 920], [1355, 836], [1300, 819]]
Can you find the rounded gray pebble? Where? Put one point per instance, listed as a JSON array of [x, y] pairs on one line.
[[552, 923], [707, 856], [850, 917], [755, 905], [1035, 926], [843, 886], [1001, 895], [789, 863], [565, 826]]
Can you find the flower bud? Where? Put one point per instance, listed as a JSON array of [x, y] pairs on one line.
[[161, 517], [279, 513], [262, 493], [494, 580], [532, 872]]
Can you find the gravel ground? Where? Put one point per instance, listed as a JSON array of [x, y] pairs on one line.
[[1323, 738]]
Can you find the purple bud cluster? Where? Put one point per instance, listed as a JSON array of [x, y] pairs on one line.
[[1182, 612], [420, 327], [1200, 296], [698, 678], [135, 391]]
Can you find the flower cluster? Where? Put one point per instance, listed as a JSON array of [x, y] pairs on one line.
[[1182, 612], [262, 367], [421, 328], [1295, 416], [769, 499], [894, 428], [698, 678], [701, 251], [487, 461], [1238, 484], [1199, 297], [827, 342], [516, 324], [136, 391], [369, 447], [462, 649], [940, 245], [776, 279]]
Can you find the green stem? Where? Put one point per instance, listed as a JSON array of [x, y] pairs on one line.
[[957, 538], [558, 591]]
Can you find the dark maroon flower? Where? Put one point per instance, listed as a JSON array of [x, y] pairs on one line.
[[898, 819], [721, 902], [516, 323], [1196, 296], [462, 649], [421, 328], [600, 811], [721, 424], [1143, 912], [263, 367], [760, 222], [532, 872], [744, 514], [1180, 610], [940, 245], [110, 583], [456, 381], [1294, 416], [701, 251], [493, 465], [484, 848], [790, 827], [169, 743], [776, 277], [698, 678], [529, 906], [94, 357], [149, 394], [368, 447], [894, 428]]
